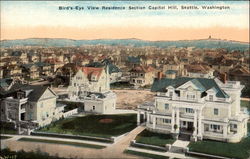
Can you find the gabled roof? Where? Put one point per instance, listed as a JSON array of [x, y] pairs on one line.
[[34, 92], [42, 64], [28, 66], [171, 72], [133, 59], [91, 71], [112, 68], [198, 68], [143, 69], [203, 84]]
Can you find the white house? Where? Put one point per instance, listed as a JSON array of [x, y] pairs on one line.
[[91, 86], [199, 107], [35, 105]]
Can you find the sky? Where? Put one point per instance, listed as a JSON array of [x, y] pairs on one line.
[[43, 19]]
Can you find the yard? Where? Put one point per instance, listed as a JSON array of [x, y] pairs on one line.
[[8, 128], [130, 99], [246, 104], [94, 125], [233, 150], [151, 138]]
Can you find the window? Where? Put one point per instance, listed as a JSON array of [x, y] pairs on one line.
[[31, 116], [141, 74], [167, 120], [166, 106], [215, 127], [235, 126], [93, 108], [184, 122], [210, 97], [190, 96], [189, 110], [41, 105], [216, 111], [170, 94]]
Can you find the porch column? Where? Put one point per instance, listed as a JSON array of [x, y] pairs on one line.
[[148, 119], [178, 119], [138, 117], [199, 124], [154, 122], [224, 130], [173, 119], [195, 122]]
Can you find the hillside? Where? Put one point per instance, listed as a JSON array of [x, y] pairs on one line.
[[202, 43]]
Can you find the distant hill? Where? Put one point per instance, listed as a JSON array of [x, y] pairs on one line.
[[202, 43]]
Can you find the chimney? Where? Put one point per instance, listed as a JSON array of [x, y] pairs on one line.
[[159, 76], [223, 77]]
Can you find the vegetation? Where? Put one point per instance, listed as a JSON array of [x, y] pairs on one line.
[[7, 153], [145, 155], [246, 104], [61, 142], [70, 105], [239, 150], [91, 125], [157, 139], [246, 91], [8, 128], [5, 137], [121, 85]]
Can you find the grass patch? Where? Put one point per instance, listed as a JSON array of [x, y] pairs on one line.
[[62, 142], [7, 153], [120, 85], [91, 126], [8, 128], [70, 105], [246, 104], [239, 150], [5, 137], [151, 138], [143, 154]]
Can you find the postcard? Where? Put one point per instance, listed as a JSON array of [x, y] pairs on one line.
[[124, 79]]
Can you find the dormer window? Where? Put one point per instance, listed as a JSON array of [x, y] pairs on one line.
[[170, 94], [211, 97]]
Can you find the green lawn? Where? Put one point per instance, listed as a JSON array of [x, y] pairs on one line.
[[246, 104], [239, 150], [91, 125], [143, 154], [5, 137], [151, 138], [70, 105], [61, 142], [121, 85], [7, 128]]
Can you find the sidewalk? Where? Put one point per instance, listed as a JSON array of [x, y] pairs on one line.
[[167, 154]]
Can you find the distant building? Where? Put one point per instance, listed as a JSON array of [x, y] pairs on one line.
[[142, 75], [199, 71], [91, 86], [201, 108]]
